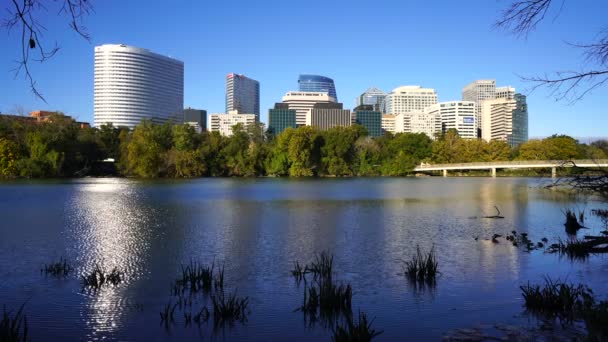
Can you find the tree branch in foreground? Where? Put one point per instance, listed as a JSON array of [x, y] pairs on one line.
[[23, 15]]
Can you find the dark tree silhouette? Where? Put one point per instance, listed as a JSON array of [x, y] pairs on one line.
[[25, 16], [523, 16]]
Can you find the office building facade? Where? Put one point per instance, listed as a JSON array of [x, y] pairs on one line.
[[458, 115], [409, 99], [418, 122], [196, 118], [327, 115], [388, 123], [223, 123], [317, 83], [134, 84], [371, 119], [280, 118], [302, 102], [242, 94], [482, 90], [373, 97], [505, 119]]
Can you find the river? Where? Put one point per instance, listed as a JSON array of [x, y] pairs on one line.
[[257, 228]]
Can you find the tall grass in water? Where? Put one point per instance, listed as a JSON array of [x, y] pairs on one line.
[[555, 298], [574, 249], [323, 297], [422, 267], [13, 328], [99, 277], [196, 277], [228, 309], [60, 268], [572, 222], [355, 331]]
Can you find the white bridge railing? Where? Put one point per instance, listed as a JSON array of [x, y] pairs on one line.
[[515, 164]]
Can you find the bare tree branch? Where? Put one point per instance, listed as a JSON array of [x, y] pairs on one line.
[[523, 16], [23, 14]]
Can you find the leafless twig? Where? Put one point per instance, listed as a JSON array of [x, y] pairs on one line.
[[24, 15]]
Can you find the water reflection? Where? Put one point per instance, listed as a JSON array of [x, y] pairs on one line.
[[108, 220]]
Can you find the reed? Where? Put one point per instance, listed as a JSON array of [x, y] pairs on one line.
[[555, 298], [167, 315], [228, 309], [355, 331], [202, 316], [195, 277], [573, 249], [422, 267], [60, 268], [572, 224], [98, 277], [14, 328]]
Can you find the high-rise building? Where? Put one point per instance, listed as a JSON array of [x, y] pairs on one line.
[[134, 84], [371, 119], [505, 93], [302, 102], [223, 123], [459, 115], [280, 118], [418, 122], [242, 94], [505, 119], [196, 118], [328, 115], [409, 99], [317, 83], [481, 90], [388, 123], [373, 97]]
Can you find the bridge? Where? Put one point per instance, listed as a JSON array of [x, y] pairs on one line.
[[516, 164]]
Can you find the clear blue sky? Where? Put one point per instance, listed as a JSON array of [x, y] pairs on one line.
[[438, 44]]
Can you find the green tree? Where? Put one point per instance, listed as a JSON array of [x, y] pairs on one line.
[[8, 158], [304, 152]]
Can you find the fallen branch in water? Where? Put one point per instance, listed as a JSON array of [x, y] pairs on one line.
[[497, 216]]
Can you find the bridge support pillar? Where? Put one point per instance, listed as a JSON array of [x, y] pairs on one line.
[[493, 172], [445, 172], [553, 172]]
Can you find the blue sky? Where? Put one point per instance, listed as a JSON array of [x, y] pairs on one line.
[[438, 44]]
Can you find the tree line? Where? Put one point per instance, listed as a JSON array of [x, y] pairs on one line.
[[60, 148]]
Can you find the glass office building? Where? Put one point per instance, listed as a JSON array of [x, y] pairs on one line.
[[371, 119], [242, 95], [373, 97], [317, 83], [281, 118]]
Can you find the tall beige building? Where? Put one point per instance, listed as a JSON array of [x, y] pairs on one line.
[[303, 101], [505, 119], [408, 99], [481, 90]]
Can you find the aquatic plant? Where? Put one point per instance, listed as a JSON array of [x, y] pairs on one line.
[[596, 320], [99, 277], [195, 277], [13, 328], [202, 316], [555, 298], [359, 331], [60, 268], [228, 309], [422, 267], [167, 314], [572, 224], [322, 266], [298, 271]]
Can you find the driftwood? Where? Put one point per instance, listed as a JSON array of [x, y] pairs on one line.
[[497, 216]]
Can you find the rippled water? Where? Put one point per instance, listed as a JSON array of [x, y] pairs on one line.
[[258, 228]]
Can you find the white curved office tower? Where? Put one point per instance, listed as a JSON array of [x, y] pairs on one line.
[[134, 84]]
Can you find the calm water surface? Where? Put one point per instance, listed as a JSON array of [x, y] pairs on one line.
[[258, 228]]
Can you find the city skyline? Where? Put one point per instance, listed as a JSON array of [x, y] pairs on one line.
[[500, 56]]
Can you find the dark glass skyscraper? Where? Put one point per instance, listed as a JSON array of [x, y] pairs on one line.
[[281, 118], [318, 83], [242, 95]]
